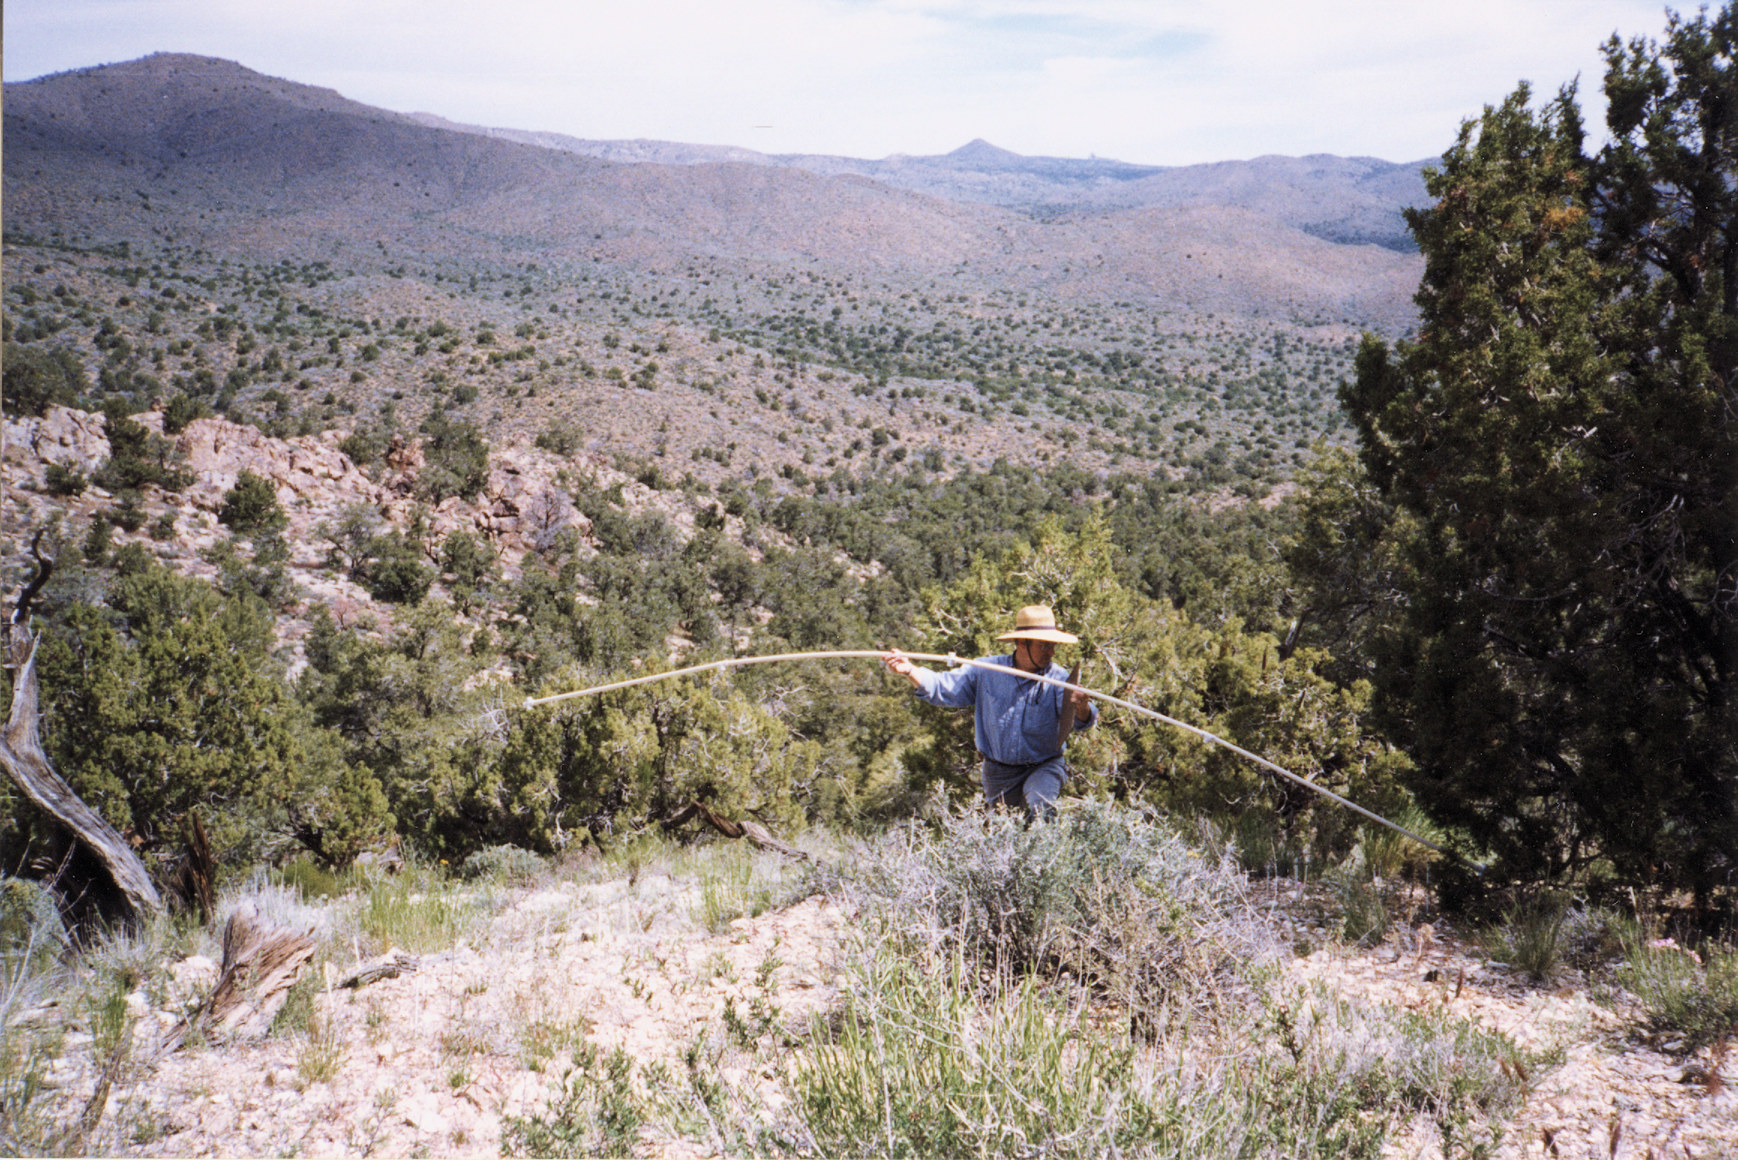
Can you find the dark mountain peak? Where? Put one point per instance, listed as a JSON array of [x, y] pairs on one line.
[[165, 69], [154, 64], [167, 64], [178, 84]]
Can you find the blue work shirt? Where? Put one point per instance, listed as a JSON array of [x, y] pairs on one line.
[[1015, 719]]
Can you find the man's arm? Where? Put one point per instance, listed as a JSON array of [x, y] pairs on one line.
[[954, 689]]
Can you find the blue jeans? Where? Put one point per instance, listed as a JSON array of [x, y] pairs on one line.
[[1031, 787]]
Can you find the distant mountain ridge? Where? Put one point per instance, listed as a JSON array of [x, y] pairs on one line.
[[1350, 200], [210, 153]]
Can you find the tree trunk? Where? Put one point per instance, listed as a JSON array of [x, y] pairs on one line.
[[22, 754], [190, 883]]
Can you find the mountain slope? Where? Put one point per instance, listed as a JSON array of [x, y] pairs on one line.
[[212, 154]]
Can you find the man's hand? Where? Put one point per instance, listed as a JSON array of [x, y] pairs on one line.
[[1076, 706], [897, 662]]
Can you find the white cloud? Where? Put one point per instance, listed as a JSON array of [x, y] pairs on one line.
[[1145, 80]]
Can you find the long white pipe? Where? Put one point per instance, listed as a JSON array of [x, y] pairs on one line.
[[953, 660]]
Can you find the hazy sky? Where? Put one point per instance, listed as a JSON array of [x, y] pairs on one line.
[[1152, 81]]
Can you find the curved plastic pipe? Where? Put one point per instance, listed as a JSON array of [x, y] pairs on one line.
[[953, 660]]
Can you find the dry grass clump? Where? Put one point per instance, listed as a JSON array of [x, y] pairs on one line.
[[1688, 998], [1099, 986], [1107, 895], [72, 1047]]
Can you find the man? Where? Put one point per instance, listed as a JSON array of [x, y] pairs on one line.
[[1020, 725]]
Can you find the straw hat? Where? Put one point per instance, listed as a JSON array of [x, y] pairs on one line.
[[1037, 622]]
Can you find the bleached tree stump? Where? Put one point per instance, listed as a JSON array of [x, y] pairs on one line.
[[756, 833], [261, 962]]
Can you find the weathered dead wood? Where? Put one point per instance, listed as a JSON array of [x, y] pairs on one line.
[[760, 836], [389, 859], [747, 828], [261, 962], [191, 881], [681, 817], [28, 766], [202, 866], [390, 965]]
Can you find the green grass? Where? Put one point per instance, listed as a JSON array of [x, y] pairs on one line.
[[597, 1112], [732, 885], [1364, 913], [310, 879], [419, 912], [1530, 935], [925, 1063], [322, 1052], [1391, 854], [1685, 996], [919, 1064], [541, 1040]]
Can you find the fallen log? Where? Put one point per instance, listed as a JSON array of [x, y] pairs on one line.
[[390, 965]]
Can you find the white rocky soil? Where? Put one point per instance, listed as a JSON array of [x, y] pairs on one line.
[[431, 1063]]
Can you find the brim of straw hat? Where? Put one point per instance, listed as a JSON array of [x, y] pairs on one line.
[[1051, 634]]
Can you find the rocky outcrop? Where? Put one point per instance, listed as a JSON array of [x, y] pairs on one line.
[[523, 507], [310, 469], [527, 504], [70, 438]]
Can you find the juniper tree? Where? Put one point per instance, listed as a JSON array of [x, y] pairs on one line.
[[251, 506], [165, 700], [1558, 446]]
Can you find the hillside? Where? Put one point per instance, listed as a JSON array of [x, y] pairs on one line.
[[231, 160], [764, 317]]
